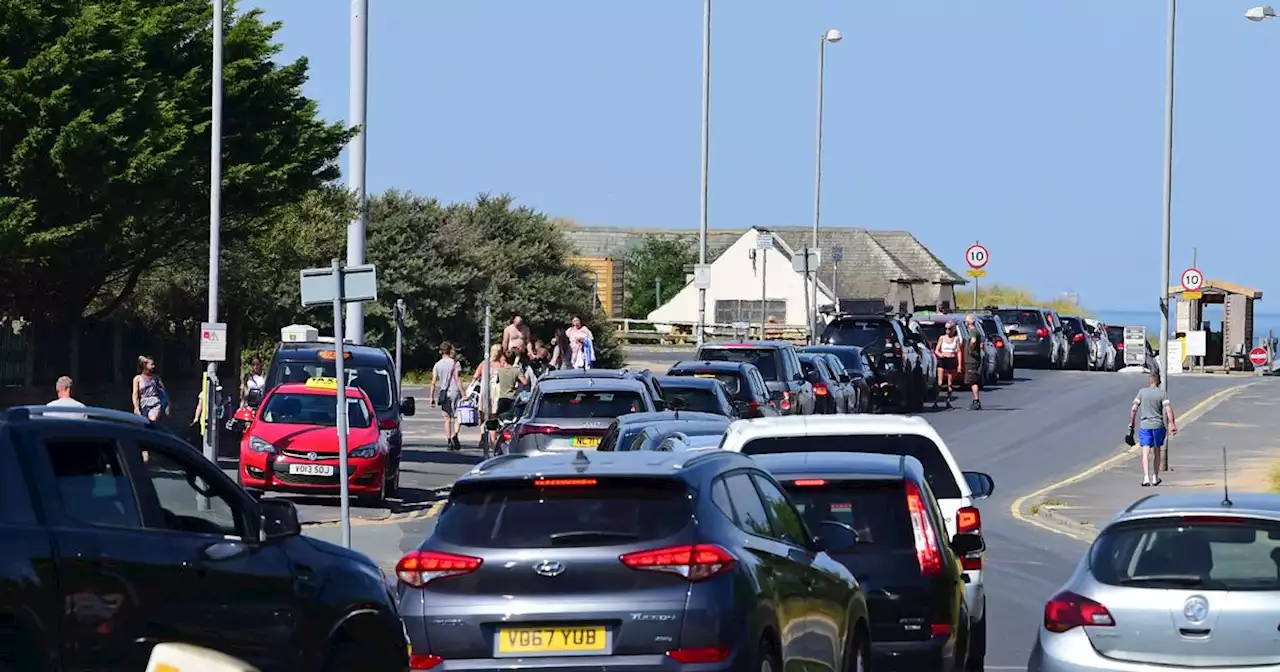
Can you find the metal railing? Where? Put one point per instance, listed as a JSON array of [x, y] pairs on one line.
[[648, 332]]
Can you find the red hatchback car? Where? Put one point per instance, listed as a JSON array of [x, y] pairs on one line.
[[291, 444]]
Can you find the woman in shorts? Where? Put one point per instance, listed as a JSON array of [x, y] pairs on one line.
[[947, 349]]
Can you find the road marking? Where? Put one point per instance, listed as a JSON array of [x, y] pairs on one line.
[[1194, 413]]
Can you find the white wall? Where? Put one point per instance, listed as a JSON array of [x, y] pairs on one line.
[[733, 278]]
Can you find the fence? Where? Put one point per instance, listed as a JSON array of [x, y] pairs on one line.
[[644, 332]]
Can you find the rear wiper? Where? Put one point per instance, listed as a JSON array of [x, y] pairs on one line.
[[1188, 580], [591, 535]]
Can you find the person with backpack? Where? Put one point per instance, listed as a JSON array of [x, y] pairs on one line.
[[446, 391]]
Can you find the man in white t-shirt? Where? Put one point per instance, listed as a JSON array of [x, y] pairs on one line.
[[63, 386]]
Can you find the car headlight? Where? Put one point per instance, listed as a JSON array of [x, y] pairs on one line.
[[365, 452], [259, 446]]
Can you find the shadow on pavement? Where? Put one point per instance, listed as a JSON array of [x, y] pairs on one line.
[[420, 456]]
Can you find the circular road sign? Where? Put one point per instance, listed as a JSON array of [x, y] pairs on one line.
[[977, 256], [1258, 356], [1192, 279]]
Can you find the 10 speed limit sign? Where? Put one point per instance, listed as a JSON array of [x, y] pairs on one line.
[[1192, 280], [977, 256]]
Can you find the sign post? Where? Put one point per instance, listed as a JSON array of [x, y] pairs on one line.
[[806, 263], [1135, 346], [339, 285], [1192, 283], [837, 255], [977, 257], [1258, 357], [764, 241]]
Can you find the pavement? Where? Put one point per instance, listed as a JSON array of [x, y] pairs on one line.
[[1045, 428]]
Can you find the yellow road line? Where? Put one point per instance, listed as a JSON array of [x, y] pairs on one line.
[[1192, 414]]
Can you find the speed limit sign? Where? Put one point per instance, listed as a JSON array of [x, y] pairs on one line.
[[977, 256], [1192, 279]]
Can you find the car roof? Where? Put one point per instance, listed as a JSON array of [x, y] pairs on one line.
[[586, 383], [689, 381], [360, 354], [1207, 502], [856, 465], [829, 349], [589, 464], [652, 417], [718, 423], [710, 364], [748, 345]]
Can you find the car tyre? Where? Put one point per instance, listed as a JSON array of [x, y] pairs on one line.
[[978, 647], [357, 657], [767, 658], [374, 501], [858, 656], [393, 487]]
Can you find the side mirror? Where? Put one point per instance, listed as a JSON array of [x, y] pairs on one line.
[[408, 406], [244, 415], [491, 424], [836, 537], [253, 398], [980, 485], [279, 519], [964, 544]]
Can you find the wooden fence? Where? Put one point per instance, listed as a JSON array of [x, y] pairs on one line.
[[644, 332]]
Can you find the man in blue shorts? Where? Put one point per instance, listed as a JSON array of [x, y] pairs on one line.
[[1153, 414]]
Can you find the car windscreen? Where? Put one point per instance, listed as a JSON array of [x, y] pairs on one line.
[[313, 409], [765, 359], [694, 399], [564, 512], [1027, 319], [936, 469], [589, 404], [857, 332], [374, 380], [876, 510], [1190, 553]]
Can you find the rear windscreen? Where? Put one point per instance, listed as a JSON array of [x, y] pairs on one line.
[[589, 404], [857, 332], [989, 325], [1116, 334], [1213, 553], [936, 469], [876, 510], [851, 358], [520, 514], [731, 381], [703, 401], [932, 331], [1023, 318], [764, 359]]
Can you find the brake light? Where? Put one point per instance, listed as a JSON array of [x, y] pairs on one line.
[[564, 482], [1211, 520], [820, 390], [525, 430], [710, 654], [421, 661], [418, 568], [968, 520], [1078, 338], [999, 343], [809, 482], [1042, 332], [786, 401], [927, 553], [506, 435], [1120, 345], [388, 424], [1066, 610], [694, 562], [940, 629], [753, 407]]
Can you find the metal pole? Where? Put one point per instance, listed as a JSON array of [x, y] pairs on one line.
[[808, 332], [339, 372], [485, 402], [1167, 231], [595, 293], [706, 154], [215, 228], [356, 116], [657, 292], [975, 293], [399, 346], [817, 184], [764, 283]]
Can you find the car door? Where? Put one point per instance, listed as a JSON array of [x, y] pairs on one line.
[[238, 594], [114, 575], [29, 597], [760, 391]]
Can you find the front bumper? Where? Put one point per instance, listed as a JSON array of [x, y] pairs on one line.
[[265, 471]]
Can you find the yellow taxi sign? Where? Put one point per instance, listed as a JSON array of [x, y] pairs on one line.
[[322, 383]]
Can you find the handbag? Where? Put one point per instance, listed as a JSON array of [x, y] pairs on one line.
[[1128, 438], [468, 416]]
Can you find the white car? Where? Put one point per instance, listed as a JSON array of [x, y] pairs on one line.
[[956, 490], [1104, 356]]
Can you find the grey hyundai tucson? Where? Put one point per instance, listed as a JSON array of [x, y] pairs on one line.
[[627, 561]]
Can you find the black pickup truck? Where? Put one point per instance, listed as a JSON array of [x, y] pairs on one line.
[[118, 536]]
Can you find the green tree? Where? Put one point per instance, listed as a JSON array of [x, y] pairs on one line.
[[104, 156], [659, 260]]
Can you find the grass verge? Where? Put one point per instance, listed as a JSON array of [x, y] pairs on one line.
[[1005, 295]]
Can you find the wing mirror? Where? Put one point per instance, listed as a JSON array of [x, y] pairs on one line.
[[408, 406], [980, 484], [836, 537], [253, 398], [244, 415], [965, 544], [279, 519]]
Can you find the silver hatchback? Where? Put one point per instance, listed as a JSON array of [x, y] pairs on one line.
[[1175, 582]]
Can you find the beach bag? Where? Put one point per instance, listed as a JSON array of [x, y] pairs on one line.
[[468, 416], [588, 354]]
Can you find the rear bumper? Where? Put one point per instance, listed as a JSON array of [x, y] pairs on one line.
[[647, 663], [1033, 348], [913, 656], [1071, 652]]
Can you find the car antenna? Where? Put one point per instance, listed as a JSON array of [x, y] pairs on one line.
[[1226, 494]]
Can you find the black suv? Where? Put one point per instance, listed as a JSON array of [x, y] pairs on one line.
[[880, 518], [779, 365], [627, 560], [1036, 333], [643, 375], [107, 552], [891, 348], [746, 386]]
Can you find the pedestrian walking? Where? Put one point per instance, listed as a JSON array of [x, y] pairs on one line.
[[510, 377], [150, 399], [973, 361], [1153, 415], [561, 351], [446, 391], [487, 374], [254, 379], [579, 343], [63, 389], [516, 336], [947, 349]]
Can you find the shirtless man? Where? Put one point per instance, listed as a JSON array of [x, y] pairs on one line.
[[516, 336]]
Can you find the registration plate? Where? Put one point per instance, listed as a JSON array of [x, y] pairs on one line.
[[553, 640], [311, 469], [1018, 337], [585, 442]]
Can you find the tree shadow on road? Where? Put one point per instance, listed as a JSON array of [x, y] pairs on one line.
[[439, 456]]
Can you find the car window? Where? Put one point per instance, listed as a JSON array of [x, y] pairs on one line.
[[580, 512], [720, 497], [932, 331], [937, 470], [876, 510], [989, 326], [759, 386], [589, 404], [15, 497], [747, 505], [297, 408], [835, 365], [376, 381], [1214, 553], [91, 482], [764, 359], [174, 480], [793, 359], [787, 525], [1022, 318], [609, 441], [702, 400], [638, 440], [859, 332]]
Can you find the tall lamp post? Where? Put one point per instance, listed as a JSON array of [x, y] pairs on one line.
[[215, 228], [1168, 206], [830, 37], [357, 112], [706, 154]]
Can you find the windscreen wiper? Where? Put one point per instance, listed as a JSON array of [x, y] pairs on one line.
[[1187, 580], [591, 535]]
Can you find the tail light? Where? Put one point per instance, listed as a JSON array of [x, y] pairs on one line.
[[1120, 345], [388, 424], [1066, 610], [526, 430], [999, 343], [753, 407], [786, 401], [694, 562], [809, 483], [940, 629], [1042, 332], [820, 390], [969, 521], [418, 568], [927, 553], [421, 661], [565, 482], [1078, 338], [506, 435], [710, 654]]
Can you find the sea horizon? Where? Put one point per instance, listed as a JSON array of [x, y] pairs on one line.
[[1263, 322]]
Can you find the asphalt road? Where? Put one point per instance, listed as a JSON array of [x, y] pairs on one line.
[[1045, 426]]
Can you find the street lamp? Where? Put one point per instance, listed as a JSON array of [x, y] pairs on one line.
[[1168, 205], [830, 37], [1260, 13], [215, 232], [357, 113], [706, 154]]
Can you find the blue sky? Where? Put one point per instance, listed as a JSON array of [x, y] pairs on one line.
[[1035, 127]]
